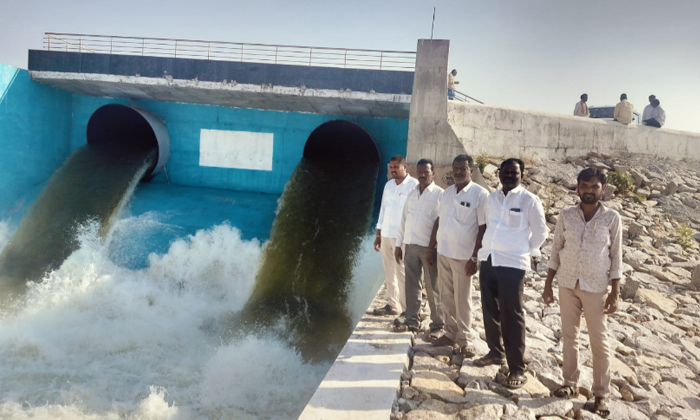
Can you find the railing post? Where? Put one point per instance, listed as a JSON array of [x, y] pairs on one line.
[[208, 48], [241, 52], [176, 48], [310, 51], [345, 63], [276, 49], [80, 44], [143, 46], [111, 43], [49, 42], [381, 60]]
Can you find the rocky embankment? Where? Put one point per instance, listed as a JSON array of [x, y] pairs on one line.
[[654, 335]]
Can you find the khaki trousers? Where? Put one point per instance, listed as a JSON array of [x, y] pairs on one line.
[[394, 275], [572, 303], [456, 294]]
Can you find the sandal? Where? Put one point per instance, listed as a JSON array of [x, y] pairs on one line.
[[567, 392], [489, 360], [514, 381], [435, 334], [399, 328], [600, 408], [467, 351]]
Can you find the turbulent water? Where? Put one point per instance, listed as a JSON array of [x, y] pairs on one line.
[[97, 340], [92, 184]]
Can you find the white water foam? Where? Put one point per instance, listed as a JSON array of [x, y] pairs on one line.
[[99, 341]]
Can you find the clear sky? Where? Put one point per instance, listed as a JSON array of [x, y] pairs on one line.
[[531, 54]]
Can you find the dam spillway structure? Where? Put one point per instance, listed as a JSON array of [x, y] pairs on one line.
[[255, 218], [124, 146]]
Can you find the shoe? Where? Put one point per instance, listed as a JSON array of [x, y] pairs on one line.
[[443, 340], [489, 360], [387, 310]]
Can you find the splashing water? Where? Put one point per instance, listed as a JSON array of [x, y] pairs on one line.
[[96, 340]]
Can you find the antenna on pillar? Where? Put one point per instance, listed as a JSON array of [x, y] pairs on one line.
[[432, 29]]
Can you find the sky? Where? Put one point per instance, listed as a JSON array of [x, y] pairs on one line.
[[528, 54]]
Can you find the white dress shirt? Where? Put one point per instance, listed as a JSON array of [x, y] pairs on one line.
[[393, 200], [419, 216], [515, 230], [647, 112], [461, 214], [659, 115]]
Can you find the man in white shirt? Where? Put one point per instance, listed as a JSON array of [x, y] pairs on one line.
[[586, 258], [419, 215], [658, 116], [515, 231], [581, 109], [451, 84], [458, 233], [624, 110], [394, 197], [647, 109]]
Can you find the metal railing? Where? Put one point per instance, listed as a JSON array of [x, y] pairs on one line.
[[232, 51], [459, 96]]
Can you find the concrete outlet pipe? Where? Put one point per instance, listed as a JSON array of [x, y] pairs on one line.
[[133, 128]]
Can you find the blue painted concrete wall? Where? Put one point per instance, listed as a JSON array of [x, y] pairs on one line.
[[35, 124], [290, 130]]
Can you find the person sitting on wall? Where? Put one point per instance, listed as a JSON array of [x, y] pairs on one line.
[[581, 109], [658, 116], [451, 84], [647, 109], [624, 110]]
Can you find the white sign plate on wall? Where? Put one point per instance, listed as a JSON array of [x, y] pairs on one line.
[[235, 149]]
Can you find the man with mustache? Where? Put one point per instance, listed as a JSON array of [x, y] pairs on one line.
[[515, 231], [419, 215], [393, 199], [457, 233], [586, 257]]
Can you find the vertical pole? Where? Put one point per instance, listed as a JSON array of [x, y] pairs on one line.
[[208, 48], [49, 42], [432, 29], [80, 44], [345, 64], [276, 49], [176, 48], [241, 52], [111, 43], [310, 51], [381, 60], [143, 46]]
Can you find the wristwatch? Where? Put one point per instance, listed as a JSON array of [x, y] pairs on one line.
[[475, 260]]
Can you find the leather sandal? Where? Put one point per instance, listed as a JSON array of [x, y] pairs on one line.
[[514, 381], [467, 351], [567, 392], [600, 408], [489, 360]]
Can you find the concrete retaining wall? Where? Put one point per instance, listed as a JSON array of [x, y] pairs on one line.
[[35, 124], [509, 132]]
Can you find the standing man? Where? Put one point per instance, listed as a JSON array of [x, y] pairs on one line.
[[624, 110], [419, 215], [581, 109], [451, 84], [458, 233], [586, 257], [515, 230], [393, 199], [647, 109], [658, 116]]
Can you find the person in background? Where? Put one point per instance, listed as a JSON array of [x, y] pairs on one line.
[[581, 109], [416, 226], [624, 110], [515, 231], [458, 233], [586, 258], [451, 84], [647, 109], [393, 199], [658, 115]]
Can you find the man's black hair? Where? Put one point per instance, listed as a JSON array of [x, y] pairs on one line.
[[623, 96], [589, 173], [398, 159], [652, 97], [656, 102], [426, 162], [464, 158], [585, 94], [510, 161]]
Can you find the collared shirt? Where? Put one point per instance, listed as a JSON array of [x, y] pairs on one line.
[[581, 109], [419, 216], [590, 252], [451, 82], [659, 115], [623, 111], [515, 229], [461, 214], [647, 112], [393, 200]]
